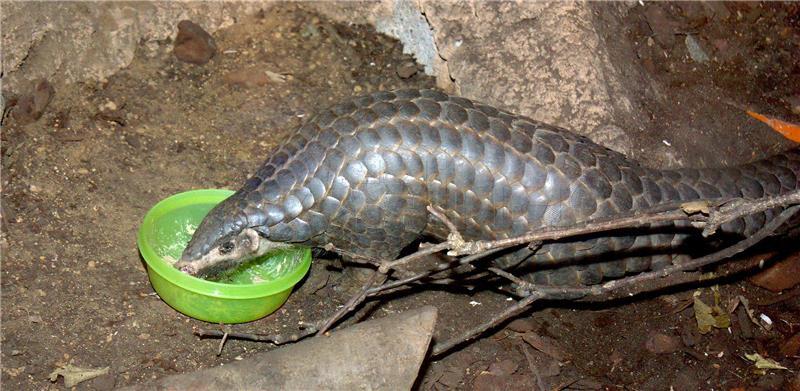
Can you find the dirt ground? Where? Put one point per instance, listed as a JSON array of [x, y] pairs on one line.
[[77, 182]]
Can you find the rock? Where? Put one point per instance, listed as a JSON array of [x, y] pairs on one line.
[[30, 108], [717, 10], [133, 140], [193, 44], [380, 354], [689, 334], [527, 76], [503, 368], [108, 106], [451, 379], [780, 276], [745, 324], [613, 137], [103, 382], [791, 347], [662, 344], [247, 77], [696, 51], [70, 42], [115, 116], [522, 325], [406, 70]]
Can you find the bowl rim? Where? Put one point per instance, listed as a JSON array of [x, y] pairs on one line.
[[197, 285]]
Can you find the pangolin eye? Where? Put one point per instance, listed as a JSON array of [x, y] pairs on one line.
[[226, 247]]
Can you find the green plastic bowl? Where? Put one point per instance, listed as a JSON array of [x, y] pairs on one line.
[[165, 232]]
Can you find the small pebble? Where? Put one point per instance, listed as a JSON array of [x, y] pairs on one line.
[[193, 44], [522, 325], [696, 51], [108, 106], [406, 70], [662, 344], [503, 368], [246, 77], [132, 140], [780, 276], [30, 108], [34, 189], [104, 382]]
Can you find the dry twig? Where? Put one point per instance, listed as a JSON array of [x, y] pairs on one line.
[[707, 214], [535, 292]]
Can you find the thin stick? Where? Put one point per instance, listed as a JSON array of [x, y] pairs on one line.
[[634, 284], [437, 269], [592, 226], [273, 339], [697, 263], [687, 211], [376, 277], [536, 293], [740, 208], [513, 310], [222, 343]]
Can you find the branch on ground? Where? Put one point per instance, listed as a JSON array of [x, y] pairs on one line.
[[707, 214]]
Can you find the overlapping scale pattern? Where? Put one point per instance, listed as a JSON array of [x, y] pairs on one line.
[[361, 174]]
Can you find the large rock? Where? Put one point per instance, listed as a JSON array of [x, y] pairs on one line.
[[67, 42], [568, 64], [381, 354], [543, 60]]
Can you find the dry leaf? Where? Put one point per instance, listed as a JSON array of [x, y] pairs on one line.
[[546, 345], [696, 206], [746, 303], [73, 375], [709, 317], [763, 363]]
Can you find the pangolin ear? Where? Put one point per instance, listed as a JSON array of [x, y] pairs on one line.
[[262, 230]]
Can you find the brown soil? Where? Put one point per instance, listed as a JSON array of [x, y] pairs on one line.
[[77, 182]]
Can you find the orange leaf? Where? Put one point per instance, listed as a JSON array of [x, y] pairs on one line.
[[788, 130]]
